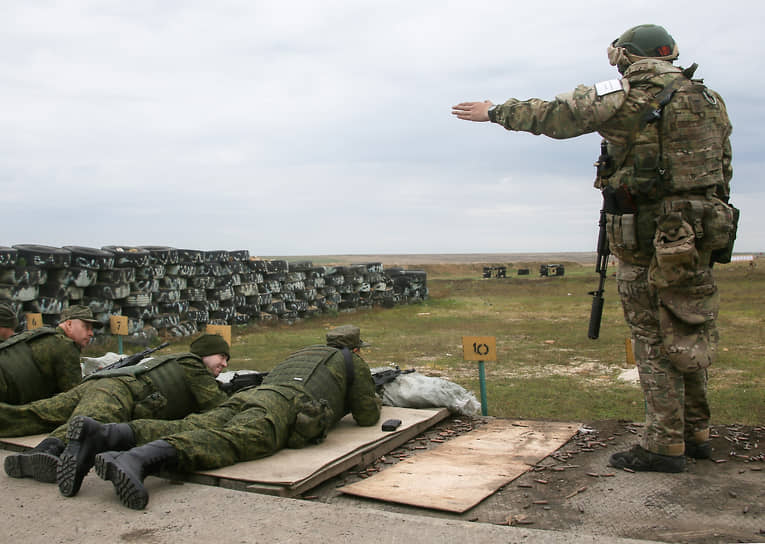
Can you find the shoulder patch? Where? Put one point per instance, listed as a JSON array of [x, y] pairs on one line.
[[607, 87]]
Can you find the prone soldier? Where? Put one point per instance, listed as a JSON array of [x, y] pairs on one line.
[[297, 404], [39, 363], [165, 387]]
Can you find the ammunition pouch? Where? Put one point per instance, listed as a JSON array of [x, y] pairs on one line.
[[676, 259], [713, 221], [622, 233], [312, 422], [723, 225]]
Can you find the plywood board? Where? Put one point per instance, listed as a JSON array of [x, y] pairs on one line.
[[23, 441], [289, 472], [289, 466], [462, 472]]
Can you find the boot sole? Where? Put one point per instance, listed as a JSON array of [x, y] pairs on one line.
[[66, 475], [39, 466], [131, 493]]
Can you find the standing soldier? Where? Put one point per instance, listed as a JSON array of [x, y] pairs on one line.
[[39, 363], [165, 387], [665, 179], [299, 402]]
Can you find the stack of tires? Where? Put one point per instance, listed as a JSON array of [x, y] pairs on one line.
[[175, 292]]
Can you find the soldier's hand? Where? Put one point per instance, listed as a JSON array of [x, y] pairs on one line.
[[472, 111]]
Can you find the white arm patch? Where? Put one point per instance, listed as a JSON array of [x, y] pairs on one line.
[[606, 87]]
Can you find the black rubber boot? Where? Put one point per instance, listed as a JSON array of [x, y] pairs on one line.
[[699, 450], [127, 470], [87, 437], [641, 459], [39, 463]]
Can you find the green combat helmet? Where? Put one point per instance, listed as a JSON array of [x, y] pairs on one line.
[[642, 42]]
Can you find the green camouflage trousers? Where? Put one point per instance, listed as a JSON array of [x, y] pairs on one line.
[[676, 402], [253, 423], [107, 400]]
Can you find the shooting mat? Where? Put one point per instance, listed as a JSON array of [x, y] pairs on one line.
[[462, 472]]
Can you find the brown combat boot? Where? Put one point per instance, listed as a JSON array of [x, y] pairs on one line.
[[127, 470], [38, 463], [86, 438]]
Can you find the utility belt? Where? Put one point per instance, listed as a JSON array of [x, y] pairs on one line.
[[679, 228]]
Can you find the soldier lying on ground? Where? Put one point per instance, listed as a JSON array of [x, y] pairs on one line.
[[166, 387], [299, 401], [39, 363]]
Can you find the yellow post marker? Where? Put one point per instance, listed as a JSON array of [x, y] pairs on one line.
[[480, 348], [629, 351], [223, 330], [34, 321], [118, 325]]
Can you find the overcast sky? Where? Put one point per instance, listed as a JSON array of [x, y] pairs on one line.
[[324, 127]]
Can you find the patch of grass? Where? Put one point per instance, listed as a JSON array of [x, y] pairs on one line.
[[547, 367]]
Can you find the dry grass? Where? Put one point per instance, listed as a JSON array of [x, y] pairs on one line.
[[547, 367]]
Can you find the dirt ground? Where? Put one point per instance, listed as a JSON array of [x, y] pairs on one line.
[[718, 500]]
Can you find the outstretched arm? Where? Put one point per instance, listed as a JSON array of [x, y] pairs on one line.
[[472, 111]]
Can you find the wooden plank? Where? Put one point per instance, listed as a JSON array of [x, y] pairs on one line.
[[20, 443], [465, 470], [290, 472], [365, 455], [292, 466]]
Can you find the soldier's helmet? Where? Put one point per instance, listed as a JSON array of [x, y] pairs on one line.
[[642, 42]]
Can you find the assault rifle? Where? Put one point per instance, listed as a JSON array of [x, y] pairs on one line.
[[386, 376], [130, 360], [601, 266], [614, 201], [242, 381]]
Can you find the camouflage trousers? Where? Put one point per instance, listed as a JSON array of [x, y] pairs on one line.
[[253, 423], [108, 400], [677, 409]]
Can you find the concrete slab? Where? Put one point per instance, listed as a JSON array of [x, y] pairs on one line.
[[36, 513]]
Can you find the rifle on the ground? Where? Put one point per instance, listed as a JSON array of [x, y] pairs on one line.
[[386, 376], [242, 381], [130, 360]]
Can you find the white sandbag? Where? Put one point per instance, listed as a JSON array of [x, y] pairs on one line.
[[91, 364], [415, 390]]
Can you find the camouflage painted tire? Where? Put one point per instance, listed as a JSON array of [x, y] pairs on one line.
[[8, 257], [191, 256], [216, 256], [162, 254], [128, 256], [239, 255], [92, 258], [42, 256]]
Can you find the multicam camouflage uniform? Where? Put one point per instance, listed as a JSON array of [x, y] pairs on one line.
[[38, 364], [299, 401], [672, 178], [119, 398]]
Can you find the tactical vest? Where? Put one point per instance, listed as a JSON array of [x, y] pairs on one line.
[[307, 368], [167, 377], [673, 150], [23, 376]]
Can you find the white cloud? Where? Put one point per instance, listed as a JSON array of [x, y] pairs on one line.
[[303, 127]]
